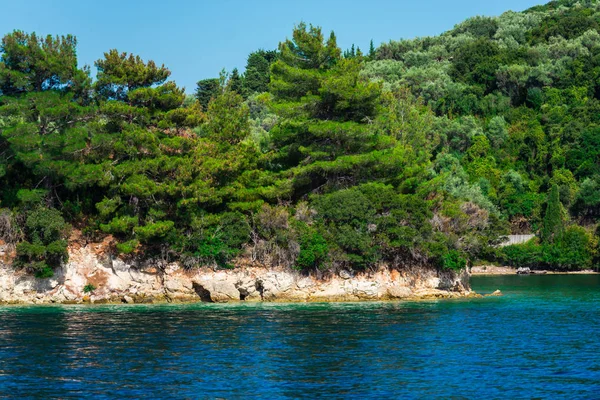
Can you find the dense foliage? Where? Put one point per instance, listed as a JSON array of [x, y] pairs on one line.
[[423, 151]]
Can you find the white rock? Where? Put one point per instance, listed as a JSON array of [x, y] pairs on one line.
[[118, 279]]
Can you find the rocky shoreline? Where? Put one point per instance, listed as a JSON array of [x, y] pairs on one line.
[[93, 275], [506, 270]]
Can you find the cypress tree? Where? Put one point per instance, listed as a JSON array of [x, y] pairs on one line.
[[371, 51], [235, 82], [206, 90], [553, 224], [256, 77]]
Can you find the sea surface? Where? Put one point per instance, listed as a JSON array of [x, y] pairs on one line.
[[540, 340]]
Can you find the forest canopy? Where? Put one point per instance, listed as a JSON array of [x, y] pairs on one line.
[[418, 152]]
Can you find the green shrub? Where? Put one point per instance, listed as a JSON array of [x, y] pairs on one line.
[[120, 224], [213, 238], [153, 231], [454, 260], [89, 288], [127, 247], [44, 247], [44, 272], [528, 254], [313, 251], [32, 197], [46, 225], [573, 251]]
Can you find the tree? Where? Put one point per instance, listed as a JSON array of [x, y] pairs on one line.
[[497, 132], [257, 75], [119, 74], [235, 82], [31, 63], [227, 118], [476, 62], [45, 246], [425, 155], [350, 53], [307, 50], [371, 55], [206, 90], [325, 103], [44, 110], [553, 227], [587, 202]]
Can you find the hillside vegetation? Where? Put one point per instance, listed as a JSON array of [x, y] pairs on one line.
[[419, 152]]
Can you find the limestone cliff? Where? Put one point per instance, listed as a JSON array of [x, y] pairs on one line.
[[116, 280]]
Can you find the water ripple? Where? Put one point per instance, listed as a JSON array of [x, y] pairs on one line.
[[538, 341]]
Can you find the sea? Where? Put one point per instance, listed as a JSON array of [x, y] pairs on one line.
[[540, 340]]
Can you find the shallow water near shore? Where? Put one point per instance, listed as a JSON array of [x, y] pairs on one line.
[[541, 339]]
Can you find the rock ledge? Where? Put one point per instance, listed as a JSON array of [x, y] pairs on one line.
[[117, 281]]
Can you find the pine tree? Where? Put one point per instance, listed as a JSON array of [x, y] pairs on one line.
[[120, 74], [44, 107], [325, 101], [32, 63]]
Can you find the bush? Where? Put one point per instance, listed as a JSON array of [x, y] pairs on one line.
[[313, 251], [213, 239], [454, 261], [44, 247], [89, 288], [127, 247], [523, 255], [154, 231], [121, 224], [574, 251], [347, 217]]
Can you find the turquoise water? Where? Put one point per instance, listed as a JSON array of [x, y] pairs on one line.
[[540, 340]]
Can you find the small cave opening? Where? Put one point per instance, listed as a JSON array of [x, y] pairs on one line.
[[202, 293], [260, 288], [243, 293]]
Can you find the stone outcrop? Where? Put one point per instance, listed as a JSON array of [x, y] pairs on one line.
[[115, 280], [495, 293]]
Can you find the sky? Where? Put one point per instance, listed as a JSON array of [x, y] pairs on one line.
[[196, 39]]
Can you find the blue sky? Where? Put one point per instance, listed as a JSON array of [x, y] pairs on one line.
[[196, 39]]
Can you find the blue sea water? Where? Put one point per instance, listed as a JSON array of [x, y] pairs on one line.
[[540, 340]]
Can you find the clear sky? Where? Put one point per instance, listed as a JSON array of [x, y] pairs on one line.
[[195, 39]]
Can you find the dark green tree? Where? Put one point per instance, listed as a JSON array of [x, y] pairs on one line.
[[33, 63], [553, 226], [227, 118], [371, 55], [119, 74], [235, 82], [350, 53], [44, 247], [206, 90], [257, 75], [44, 110]]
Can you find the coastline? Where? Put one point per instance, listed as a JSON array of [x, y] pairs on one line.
[[425, 297], [505, 270], [94, 275], [208, 286]]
